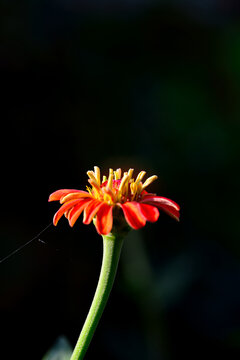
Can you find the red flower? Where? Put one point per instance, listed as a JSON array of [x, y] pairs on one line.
[[99, 201]]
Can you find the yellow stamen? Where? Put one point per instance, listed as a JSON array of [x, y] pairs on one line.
[[104, 178], [135, 189], [97, 174], [130, 173], [96, 187], [108, 195], [149, 181], [91, 175], [139, 188], [125, 187], [123, 183], [118, 174], [140, 176], [110, 179], [89, 189]]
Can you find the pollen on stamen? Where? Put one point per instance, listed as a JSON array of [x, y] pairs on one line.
[[95, 186], [118, 174], [136, 188], [108, 195], [130, 173], [97, 174], [91, 175], [133, 187], [122, 187], [149, 181], [140, 176], [110, 179]]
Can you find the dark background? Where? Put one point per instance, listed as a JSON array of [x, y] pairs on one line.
[[143, 84]]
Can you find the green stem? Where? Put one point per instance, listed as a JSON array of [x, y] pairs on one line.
[[112, 245]]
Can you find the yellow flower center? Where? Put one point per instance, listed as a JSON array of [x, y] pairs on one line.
[[117, 188]]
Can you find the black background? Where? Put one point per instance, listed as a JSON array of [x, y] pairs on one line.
[[143, 84]]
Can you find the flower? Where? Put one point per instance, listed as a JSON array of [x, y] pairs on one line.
[[112, 197]]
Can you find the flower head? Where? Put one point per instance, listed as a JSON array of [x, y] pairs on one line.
[[107, 200]]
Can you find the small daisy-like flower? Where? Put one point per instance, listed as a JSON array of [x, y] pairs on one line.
[[112, 198]]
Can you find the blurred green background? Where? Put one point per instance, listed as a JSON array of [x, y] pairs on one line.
[[152, 85]]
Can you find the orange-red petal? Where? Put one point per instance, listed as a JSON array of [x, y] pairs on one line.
[[76, 211], [75, 195], [159, 201], [170, 211], [104, 219], [133, 214], [167, 205], [150, 212], [91, 210], [63, 209], [57, 195]]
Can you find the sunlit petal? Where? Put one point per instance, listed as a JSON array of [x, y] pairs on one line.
[[104, 219], [159, 200], [75, 195], [77, 210], [57, 195], [91, 210], [170, 211], [63, 209], [150, 212], [133, 214]]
